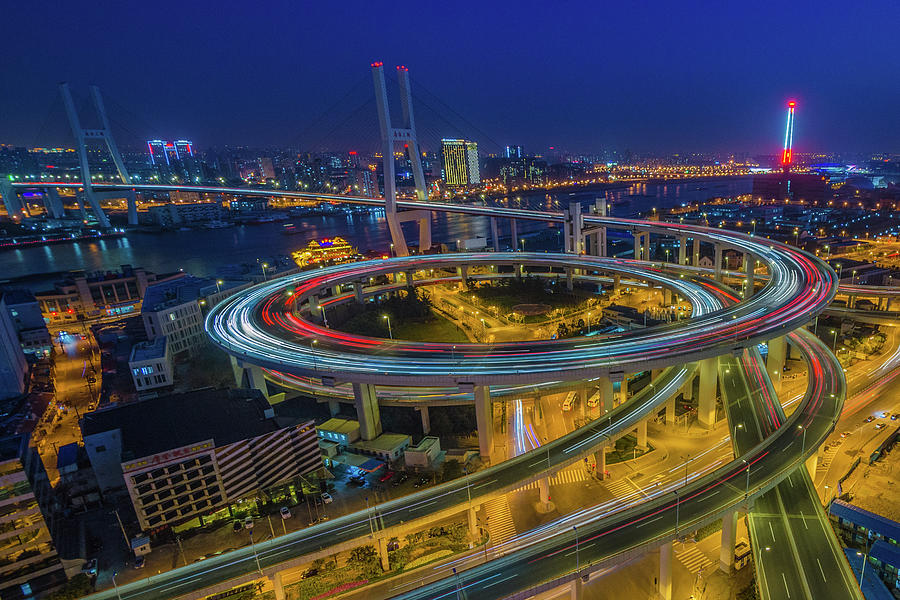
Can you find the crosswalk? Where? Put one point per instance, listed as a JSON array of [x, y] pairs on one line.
[[573, 474], [619, 487], [692, 558], [500, 522], [828, 454]]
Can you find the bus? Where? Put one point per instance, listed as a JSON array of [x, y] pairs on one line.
[[569, 402], [594, 400]]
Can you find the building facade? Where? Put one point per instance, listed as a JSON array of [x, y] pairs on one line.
[[95, 295], [13, 365], [225, 446], [460, 162], [172, 309], [151, 364], [28, 321]]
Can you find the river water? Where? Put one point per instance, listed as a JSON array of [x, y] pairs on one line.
[[201, 251]]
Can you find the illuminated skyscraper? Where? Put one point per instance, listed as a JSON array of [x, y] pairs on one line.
[[513, 152], [460, 162]]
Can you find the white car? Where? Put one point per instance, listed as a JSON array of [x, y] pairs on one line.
[[285, 513], [326, 498]]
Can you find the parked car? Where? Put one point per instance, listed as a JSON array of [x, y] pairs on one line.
[[312, 572], [139, 562], [879, 425], [285, 512], [386, 477], [90, 567], [326, 498], [248, 523], [845, 434], [869, 419], [237, 526], [894, 417], [422, 481], [403, 477]]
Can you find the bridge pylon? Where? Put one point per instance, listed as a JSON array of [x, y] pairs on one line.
[[390, 136], [82, 136]]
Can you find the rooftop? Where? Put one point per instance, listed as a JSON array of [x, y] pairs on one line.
[[341, 426], [13, 296], [864, 518], [386, 442], [885, 552], [149, 350], [13, 447], [178, 291], [424, 445], [159, 424], [873, 588]]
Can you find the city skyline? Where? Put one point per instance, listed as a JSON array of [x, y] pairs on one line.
[[654, 78]]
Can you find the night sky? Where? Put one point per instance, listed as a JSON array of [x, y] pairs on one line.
[[647, 76]]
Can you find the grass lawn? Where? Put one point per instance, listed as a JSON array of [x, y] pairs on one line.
[[438, 329]]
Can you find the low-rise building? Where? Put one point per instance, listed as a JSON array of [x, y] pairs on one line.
[[29, 564], [151, 364], [862, 526], [424, 455], [94, 295], [173, 215], [187, 458]]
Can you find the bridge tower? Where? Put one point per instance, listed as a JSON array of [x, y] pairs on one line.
[[82, 136], [390, 136]]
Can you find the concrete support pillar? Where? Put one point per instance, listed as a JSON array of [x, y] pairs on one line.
[[514, 231], [367, 410], [409, 279], [670, 411], [717, 257], [600, 458], [56, 210], [278, 584], [334, 407], [426, 419], [463, 273], [569, 283], [775, 360], [641, 431], [881, 304], [544, 487], [484, 422], [358, 291], [665, 571], [606, 395], [253, 378], [623, 390], [851, 301], [495, 238], [131, 202], [577, 589], [14, 206], [617, 282], [473, 523], [572, 229], [706, 411], [383, 554], [584, 392], [641, 245], [726, 552], [695, 251], [425, 232], [667, 296], [682, 251], [749, 274]]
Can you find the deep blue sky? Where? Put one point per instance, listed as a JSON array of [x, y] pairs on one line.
[[650, 76]]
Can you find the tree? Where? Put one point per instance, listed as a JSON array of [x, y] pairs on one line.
[[77, 587], [365, 558]]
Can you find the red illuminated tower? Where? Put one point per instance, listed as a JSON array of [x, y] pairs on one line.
[[787, 155]]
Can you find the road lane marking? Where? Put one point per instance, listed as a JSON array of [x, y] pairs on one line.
[[822, 571], [650, 521], [786, 589], [421, 506], [803, 518], [772, 531], [499, 581]]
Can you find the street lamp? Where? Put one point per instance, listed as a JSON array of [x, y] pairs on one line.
[[219, 282], [264, 267], [522, 241], [589, 322], [676, 513], [312, 351], [390, 331], [118, 595], [803, 443], [577, 561], [833, 341], [753, 222]]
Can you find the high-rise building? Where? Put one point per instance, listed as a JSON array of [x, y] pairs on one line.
[[174, 158], [513, 152], [460, 162], [29, 564], [12, 359]]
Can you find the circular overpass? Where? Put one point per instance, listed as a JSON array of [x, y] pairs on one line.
[[263, 326]]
